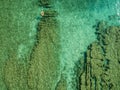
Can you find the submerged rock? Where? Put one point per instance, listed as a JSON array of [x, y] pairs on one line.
[[45, 3], [43, 71], [62, 84], [102, 60], [49, 13]]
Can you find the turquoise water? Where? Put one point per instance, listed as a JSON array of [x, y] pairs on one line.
[[77, 18]]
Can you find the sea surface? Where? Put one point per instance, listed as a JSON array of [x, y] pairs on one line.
[[77, 18]]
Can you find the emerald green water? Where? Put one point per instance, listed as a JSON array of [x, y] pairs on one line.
[[76, 20], [17, 31], [18, 26]]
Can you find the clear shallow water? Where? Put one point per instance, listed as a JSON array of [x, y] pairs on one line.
[[18, 27], [77, 19]]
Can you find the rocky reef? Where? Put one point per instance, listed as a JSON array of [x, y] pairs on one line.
[[45, 3], [40, 70], [102, 60], [43, 70]]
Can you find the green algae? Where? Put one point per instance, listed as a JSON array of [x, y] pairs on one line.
[[61, 84], [102, 60], [43, 71], [45, 3], [50, 13], [39, 66], [17, 30], [14, 75], [24, 66]]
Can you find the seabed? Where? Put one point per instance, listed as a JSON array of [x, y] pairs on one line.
[[59, 45]]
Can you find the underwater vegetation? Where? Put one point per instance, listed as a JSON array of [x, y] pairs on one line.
[[38, 70], [43, 70], [102, 60], [45, 3], [41, 66]]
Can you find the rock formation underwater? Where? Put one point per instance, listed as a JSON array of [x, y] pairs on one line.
[[59, 45]]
